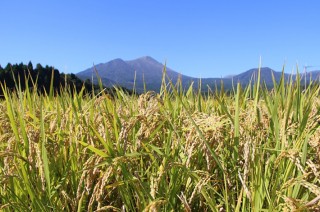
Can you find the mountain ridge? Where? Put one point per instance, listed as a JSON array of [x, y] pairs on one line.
[[146, 71]]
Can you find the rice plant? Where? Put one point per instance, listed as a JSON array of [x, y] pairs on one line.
[[177, 150]]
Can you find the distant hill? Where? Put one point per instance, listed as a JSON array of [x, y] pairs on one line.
[[149, 71]]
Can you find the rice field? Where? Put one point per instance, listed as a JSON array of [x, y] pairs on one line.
[[251, 150]]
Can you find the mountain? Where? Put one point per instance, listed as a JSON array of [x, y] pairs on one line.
[[313, 75], [111, 73], [266, 74], [148, 71], [124, 73]]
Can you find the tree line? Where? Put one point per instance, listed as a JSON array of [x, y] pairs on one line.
[[41, 78]]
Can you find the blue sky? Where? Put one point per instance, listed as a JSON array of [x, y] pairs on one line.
[[196, 38]]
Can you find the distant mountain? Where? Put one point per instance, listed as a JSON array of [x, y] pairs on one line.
[[313, 75], [265, 75], [148, 71], [142, 70]]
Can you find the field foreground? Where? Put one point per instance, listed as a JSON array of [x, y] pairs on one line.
[[253, 150]]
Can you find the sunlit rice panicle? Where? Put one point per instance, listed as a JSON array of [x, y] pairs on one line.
[[212, 126], [184, 202], [199, 186], [8, 167], [39, 165], [246, 167], [153, 206], [7, 140], [104, 180], [89, 178], [315, 168], [311, 187], [99, 190], [149, 116], [292, 155]]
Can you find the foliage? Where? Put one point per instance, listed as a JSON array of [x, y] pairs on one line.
[[40, 78]]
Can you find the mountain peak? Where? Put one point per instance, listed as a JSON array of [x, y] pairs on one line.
[[147, 59], [117, 60], [141, 71]]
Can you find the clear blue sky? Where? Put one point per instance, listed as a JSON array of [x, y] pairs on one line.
[[196, 38]]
